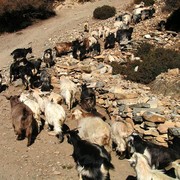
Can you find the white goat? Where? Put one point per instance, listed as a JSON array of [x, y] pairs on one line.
[[68, 91], [176, 166], [55, 116], [120, 131], [33, 105], [93, 129], [143, 169], [54, 113]]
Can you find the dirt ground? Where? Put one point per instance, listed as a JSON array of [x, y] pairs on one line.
[[46, 158]]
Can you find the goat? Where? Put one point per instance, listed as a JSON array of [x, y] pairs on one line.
[[3, 87], [88, 98], [36, 64], [86, 27], [55, 116], [63, 48], [176, 166], [110, 41], [78, 50], [48, 57], [68, 91], [21, 53], [22, 119], [25, 71], [147, 13], [34, 106], [93, 128], [45, 79], [159, 156], [120, 131], [92, 161], [123, 35], [143, 169]]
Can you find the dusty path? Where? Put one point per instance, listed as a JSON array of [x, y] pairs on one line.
[[46, 158], [67, 19]]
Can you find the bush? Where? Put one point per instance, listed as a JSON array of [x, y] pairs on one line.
[[18, 14], [154, 62], [104, 12], [146, 2], [83, 1], [171, 5]]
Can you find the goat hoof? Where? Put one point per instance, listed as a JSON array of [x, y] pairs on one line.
[[61, 138]]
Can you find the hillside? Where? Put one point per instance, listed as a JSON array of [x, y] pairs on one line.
[[116, 96]]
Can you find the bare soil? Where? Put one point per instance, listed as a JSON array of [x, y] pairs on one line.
[[46, 158]]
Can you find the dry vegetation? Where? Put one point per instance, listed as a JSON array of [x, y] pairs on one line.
[[154, 62], [18, 14]]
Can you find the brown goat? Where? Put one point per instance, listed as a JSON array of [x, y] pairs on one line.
[[23, 121], [63, 48]]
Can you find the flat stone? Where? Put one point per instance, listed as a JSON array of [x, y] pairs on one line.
[[140, 105], [152, 132], [163, 128], [139, 129], [161, 139], [153, 117], [150, 124], [137, 119]]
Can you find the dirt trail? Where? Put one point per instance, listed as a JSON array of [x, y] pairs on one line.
[[46, 158], [67, 19]]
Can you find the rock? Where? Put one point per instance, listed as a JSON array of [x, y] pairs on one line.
[[137, 119], [174, 132], [139, 129], [153, 102], [163, 128], [99, 84], [147, 36], [152, 132], [140, 105], [86, 77], [161, 139], [154, 117], [173, 72], [149, 124]]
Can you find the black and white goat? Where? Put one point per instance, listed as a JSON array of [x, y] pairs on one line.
[[48, 57], [88, 98], [143, 169], [158, 156], [92, 161], [21, 53], [23, 69]]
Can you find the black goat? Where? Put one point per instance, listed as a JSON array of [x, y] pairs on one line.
[[21, 53], [88, 98], [158, 156], [110, 41], [147, 13], [36, 64], [92, 161], [124, 35], [48, 58], [45, 79]]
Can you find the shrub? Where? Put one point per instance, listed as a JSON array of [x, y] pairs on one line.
[[171, 5], [146, 2], [83, 1], [18, 14], [104, 12], [154, 62]]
